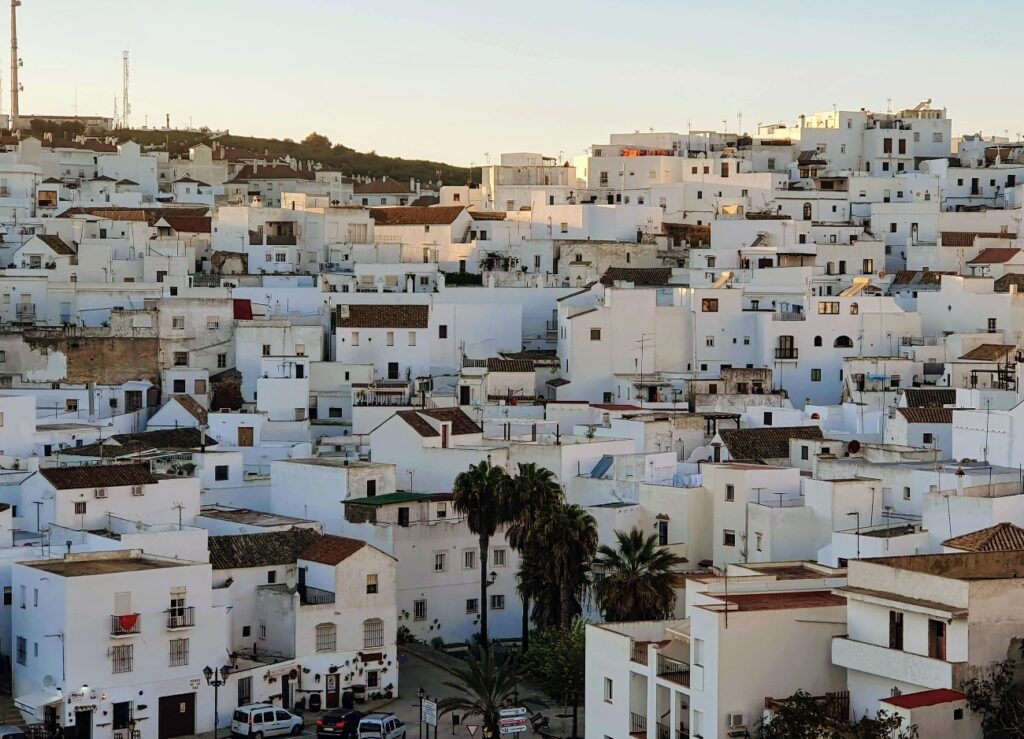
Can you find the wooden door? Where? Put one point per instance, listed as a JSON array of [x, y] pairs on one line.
[[936, 639], [177, 716], [332, 691], [245, 436]]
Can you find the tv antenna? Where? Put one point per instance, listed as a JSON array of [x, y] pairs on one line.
[[126, 107]]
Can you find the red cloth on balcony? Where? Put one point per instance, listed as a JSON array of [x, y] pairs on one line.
[[128, 621]]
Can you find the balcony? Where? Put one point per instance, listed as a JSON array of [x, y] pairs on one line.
[[315, 596], [638, 652], [637, 725], [895, 664], [181, 618], [125, 625], [787, 353], [674, 671], [789, 315], [25, 311]]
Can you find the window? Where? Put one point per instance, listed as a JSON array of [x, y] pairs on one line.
[[595, 334], [412, 338], [178, 323], [906, 493], [441, 510], [709, 305], [71, 404], [497, 602], [663, 533], [609, 694], [498, 557], [698, 652], [442, 331], [266, 350], [472, 605], [22, 650], [212, 323], [326, 637], [828, 308], [371, 583], [758, 539], [391, 338], [8, 595], [937, 137], [373, 633], [992, 325], [79, 507], [121, 657], [440, 561], [927, 438], [469, 559], [817, 341], [564, 227], [730, 493], [263, 630], [419, 610], [200, 387], [804, 452], [281, 256], [220, 472], [222, 360], [246, 630], [767, 420], [895, 630], [179, 386], [815, 375], [709, 341], [355, 338], [271, 577], [728, 538], [181, 359], [179, 652]]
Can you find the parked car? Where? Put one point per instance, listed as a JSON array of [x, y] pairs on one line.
[[262, 719], [381, 726], [338, 722], [11, 732]]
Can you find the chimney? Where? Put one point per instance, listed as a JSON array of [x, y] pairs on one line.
[[412, 184], [1013, 288]]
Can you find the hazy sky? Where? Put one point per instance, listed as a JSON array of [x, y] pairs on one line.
[[453, 79]]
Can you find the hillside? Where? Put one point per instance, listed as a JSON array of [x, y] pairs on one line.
[[316, 148]]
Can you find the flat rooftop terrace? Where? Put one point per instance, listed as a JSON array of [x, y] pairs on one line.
[[106, 563]]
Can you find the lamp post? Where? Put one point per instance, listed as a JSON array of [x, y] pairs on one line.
[[421, 694], [216, 678], [851, 513]]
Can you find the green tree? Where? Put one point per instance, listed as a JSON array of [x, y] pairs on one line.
[[557, 665], [317, 140], [529, 496], [478, 495], [997, 693], [634, 582], [486, 684], [570, 536], [803, 716]]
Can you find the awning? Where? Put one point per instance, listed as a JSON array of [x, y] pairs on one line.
[[33, 702]]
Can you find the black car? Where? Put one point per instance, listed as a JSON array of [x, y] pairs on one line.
[[338, 722]]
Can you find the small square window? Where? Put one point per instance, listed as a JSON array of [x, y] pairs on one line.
[[728, 538], [497, 602], [472, 605], [595, 334]]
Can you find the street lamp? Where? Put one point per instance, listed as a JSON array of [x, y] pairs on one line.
[[216, 678], [421, 694]]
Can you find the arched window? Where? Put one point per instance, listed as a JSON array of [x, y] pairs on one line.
[[373, 633], [843, 342], [854, 309], [817, 341], [807, 211], [326, 638]]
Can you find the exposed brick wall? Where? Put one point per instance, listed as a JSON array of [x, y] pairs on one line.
[[107, 361]]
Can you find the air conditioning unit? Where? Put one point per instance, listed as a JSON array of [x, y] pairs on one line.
[[138, 490], [100, 492], [735, 720]]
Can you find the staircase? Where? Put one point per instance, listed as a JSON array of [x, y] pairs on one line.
[[9, 715]]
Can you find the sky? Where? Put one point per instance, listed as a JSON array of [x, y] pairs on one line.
[[461, 81]]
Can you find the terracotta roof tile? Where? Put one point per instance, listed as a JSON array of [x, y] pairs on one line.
[[994, 256], [271, 172], [259, 550], [97, 476], [769, 442], [56, 244], [1002, 285], [331, 550], [408, 215], [192, 407], [966, 238], [989, 352], [190, 224], [495, 364], [1003, 537], [383, 316], [917, 397], [385, 186], [926, 415], [925, 698], [124, 445], [461, 423], [639, 276]]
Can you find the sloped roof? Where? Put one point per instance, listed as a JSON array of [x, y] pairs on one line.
[[331, 550], [1002, 285], [148, 215], [639, 276], [271, 172], [190, 224], [191, 406], [384, 316], [97, 476], [989, 352], [416, 215], [919, 277], [496, 364], [966, 238], [57, 244], [769, 442], [917, 397], [123, 445], [461, 423], [259, 550], [384, 186], [925, 698], [1003, 537], [926, 415], [994, 256], [488, 215]]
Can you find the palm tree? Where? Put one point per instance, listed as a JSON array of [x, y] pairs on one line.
[[634, 582], [485, 685], [569, 535], [529, 496], [477, 495]]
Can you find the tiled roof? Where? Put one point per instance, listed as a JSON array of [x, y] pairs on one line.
[[56, 244], [995, 256], [259, 550], [331, 550], [989, 352], [769, 442], [925, 698], [408, 215], [271, 172], [495, 364], [926, 415], [424, 201], [97, 476], [192, 407], [127, 182], [919, 277], [461, 423], [488, 215], [385, 186], [639, 276], [1002, 285], [383, 316], [147, 215], [1003, 537], [190, 224], [917, 397], [123, 445], [966, 238]]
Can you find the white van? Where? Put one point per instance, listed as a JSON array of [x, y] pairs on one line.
[[262, 719], [381, 726]]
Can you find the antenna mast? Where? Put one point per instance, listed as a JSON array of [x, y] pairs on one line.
[[15, 61], [126, 107]]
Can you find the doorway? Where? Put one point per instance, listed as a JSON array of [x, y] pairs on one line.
[[286, 691], [332, 691], [245, 436], [177, 716], [83, 724]]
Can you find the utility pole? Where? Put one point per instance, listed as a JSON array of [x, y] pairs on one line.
[[15, 61], [126, 107]]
